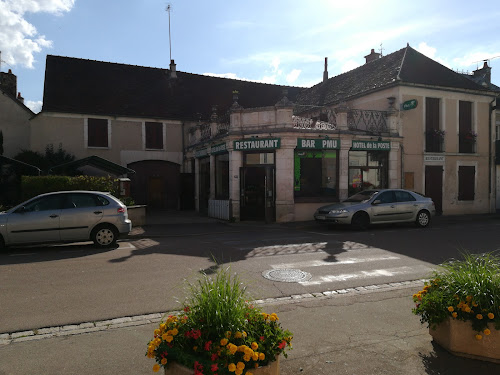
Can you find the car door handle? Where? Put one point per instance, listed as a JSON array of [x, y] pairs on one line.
[[98, 212], [53, 216], [392, 206]]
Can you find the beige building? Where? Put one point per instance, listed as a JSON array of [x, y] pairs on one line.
[[14, 116]]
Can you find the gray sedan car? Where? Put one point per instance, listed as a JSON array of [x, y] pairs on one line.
[[378, 207], [65, 216]]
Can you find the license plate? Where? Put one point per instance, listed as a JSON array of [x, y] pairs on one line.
[[320, 217]]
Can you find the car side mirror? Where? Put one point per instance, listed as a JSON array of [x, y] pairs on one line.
[[376, 201]]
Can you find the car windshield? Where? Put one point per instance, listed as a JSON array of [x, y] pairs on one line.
[[362, 196]]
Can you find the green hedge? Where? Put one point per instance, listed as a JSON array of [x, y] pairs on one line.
[[32, 186]]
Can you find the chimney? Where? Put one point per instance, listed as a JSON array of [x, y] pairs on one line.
[[8, 83], [173, 72], [20, 98], [484, 73], [325, 73], [372, 56]]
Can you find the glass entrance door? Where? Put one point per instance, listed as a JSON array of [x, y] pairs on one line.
[[257, 193]]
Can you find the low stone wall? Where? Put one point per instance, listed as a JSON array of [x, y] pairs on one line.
[[137, 214]]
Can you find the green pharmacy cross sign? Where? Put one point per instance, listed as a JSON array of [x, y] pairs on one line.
[[409, 104]]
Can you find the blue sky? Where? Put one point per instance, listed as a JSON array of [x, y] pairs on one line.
[[280, 42]]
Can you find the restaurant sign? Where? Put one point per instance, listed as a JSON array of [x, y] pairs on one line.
[[318, 144], [218, 149], [371, 146], [257, 144], [201, 153]]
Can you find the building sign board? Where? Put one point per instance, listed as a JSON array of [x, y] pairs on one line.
[[433, 158], [318, 143], [218, 149], [201, 153], [409, 104], [371, 146], [257, 144]]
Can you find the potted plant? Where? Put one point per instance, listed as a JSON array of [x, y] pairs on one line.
[[219, 332], [461, 306], [436, 133]]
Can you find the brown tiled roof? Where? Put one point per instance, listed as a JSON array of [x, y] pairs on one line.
[[406, 66], [75, 85]]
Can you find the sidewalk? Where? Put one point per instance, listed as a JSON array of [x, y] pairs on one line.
[[360, 332]]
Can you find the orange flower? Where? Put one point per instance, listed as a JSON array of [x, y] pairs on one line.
[[491, 315]]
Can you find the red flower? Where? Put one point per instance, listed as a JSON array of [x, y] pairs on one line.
[[187, 308], [214, 357], [214, 367], [261, 338], [208, 344], [282, 344]]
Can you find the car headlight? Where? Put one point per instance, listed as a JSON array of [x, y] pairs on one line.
[[341, 211]]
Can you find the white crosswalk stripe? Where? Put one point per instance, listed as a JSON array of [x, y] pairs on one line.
[[320, 263]]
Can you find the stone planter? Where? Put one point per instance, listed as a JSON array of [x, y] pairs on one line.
[[458, 338], [137, 215], [272, 369]]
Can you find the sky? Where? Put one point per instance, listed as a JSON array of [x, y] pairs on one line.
[[279, 42]]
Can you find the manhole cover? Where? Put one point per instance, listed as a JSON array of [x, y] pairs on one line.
[[287, 275]]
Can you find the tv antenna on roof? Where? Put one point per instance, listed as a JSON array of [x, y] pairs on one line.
[[169, 9]]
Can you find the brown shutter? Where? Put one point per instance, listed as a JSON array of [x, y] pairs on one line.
[[464, 117], [431, 114], [154, 135], [466, 180], [97, 132]]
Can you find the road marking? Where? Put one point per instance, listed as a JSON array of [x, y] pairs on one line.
[[320, 263], [388, 272], [300, 248]]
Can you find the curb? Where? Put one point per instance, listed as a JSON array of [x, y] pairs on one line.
[[139, 320]]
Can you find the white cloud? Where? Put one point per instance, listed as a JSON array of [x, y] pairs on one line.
[[349, 65], [275, 63], [35, 106], [474, 60], [19, 40], [292, 76], [427, 50]]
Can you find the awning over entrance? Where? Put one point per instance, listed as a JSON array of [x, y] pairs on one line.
[[19, 165], [94, 161]]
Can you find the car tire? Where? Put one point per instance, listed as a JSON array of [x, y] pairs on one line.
[[104, 236], [360, 220], [423, 219]]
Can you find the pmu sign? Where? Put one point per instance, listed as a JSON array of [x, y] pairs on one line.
[[409, 104]]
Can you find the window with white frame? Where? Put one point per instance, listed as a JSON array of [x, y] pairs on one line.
[[97, 132], [154, 135]]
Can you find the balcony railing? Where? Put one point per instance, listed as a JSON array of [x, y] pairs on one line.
[[467, 143], [434, 143], [367, 120], [311, 124]]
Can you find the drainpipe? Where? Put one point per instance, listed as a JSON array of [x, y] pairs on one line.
[[402, 148], [492, 108]]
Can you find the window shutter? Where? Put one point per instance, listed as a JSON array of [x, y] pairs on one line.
[[154, 135], [464, 117], [431, 114], [97, 132], [466, 180]]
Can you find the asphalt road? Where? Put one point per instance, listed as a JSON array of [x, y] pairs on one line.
[[66, 284]]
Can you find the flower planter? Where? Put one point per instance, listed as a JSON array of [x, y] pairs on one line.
[[458, 338], [272, 369]]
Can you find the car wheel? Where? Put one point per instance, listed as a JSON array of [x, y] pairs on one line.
[[360, 220], [104, 235], [423, 219]]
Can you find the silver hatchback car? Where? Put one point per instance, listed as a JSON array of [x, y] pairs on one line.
[[378, 207], [65, 216]]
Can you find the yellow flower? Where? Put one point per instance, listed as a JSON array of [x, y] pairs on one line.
[[231, 367], [255, 356], [479, 337], [232, 348], [228, 334], [487, 331], [255, 346], [162, 326], [241, 348], [240, 365], [156, 367], [223, 342], [164, 336], [175, 331], [163, 361], [468, 298], [169, 338], [238, 372], [262, 356], [474, 304], [450, 309], [247, 357], [157, 341], [454, 314], [491, 315], [273, 317], [157, 332], [479, 316], [195, 348], [467, 309], [256, 365], [238, 335], [244, 334]]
